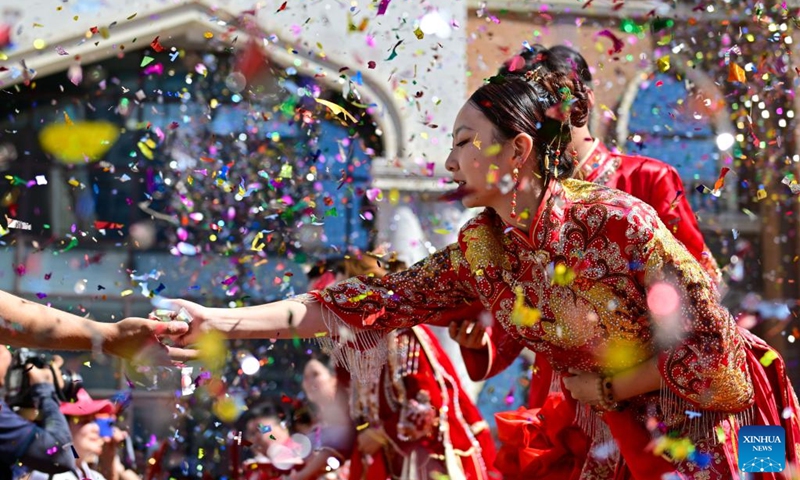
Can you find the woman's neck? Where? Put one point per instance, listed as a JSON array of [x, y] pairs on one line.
[[584, 146]]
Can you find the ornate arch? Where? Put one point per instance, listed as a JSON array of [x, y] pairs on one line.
[[705, 85]]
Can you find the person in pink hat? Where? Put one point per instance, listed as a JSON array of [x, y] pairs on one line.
[[84, 416]]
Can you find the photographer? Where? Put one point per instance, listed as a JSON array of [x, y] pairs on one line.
[[41, 448]]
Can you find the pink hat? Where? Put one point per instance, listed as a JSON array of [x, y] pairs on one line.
[[85, 405]]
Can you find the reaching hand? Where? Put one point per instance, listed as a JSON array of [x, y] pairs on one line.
[[177, 309], [584, 387], [371, 440], [140, 340], [469, 334]]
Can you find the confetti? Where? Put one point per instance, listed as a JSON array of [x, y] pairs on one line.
[[336, 109], [382, 6], [736, 73], [521, 314], [156, 45]]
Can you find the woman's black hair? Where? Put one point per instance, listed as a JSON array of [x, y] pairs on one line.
[[559, 59], [535, 104]]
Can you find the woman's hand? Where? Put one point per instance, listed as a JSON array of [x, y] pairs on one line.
[[469, 334], [371, 441], [140, 340], [196, 315], [584, 387]]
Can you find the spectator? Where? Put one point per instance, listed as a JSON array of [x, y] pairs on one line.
[[82, 417], [275, 453], [24, 442]]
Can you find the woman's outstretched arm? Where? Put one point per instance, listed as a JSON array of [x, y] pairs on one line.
[[280, 320]]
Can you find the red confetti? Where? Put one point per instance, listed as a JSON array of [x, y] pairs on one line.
[[283, 7], [617, 44], [371, 64], [107, 225], [156, 45]]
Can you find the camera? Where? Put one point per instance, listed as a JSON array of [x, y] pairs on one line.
[[18, 384]]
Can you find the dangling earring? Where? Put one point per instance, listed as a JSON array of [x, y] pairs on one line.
[[555, 163], [515, 178]]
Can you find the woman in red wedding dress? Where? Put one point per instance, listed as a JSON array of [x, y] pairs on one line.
[[585, 275]]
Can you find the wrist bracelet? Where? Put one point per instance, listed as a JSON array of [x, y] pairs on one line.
[[607, 401]]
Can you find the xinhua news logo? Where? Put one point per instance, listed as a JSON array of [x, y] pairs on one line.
[[762, 449]]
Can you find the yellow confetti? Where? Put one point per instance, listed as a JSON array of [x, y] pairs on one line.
[[336, 109], [208, 35], [68, 120], [608, 111], [442, 231], [419, 33], [476, 142], [562, 275], [493, 149], [256, 246], [768, 358], [663, 64], [761, 194], [39, 44], [522, 314], [37, 25], [145, 150], [225, 409], [125, 293], [73, 182], [721, 437], [211, 350], [87, 364], [394, 196], [363, 426]]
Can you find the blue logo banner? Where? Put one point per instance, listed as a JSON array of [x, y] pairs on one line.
[[762, 449]]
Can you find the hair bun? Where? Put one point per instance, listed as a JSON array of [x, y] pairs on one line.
[[571, 94]]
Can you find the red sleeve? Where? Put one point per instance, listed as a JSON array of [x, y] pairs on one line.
[[667, 196], [436, 290], [500, 352], [702, 358], [359, 311]]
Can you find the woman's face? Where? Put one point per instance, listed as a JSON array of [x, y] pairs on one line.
[[480, 162], [318, 383], [86, 437]]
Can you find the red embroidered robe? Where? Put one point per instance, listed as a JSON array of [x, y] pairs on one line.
[[426, 415], [617, 249], [657, 184]]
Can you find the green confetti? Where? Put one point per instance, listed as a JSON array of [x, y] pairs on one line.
[[146, 61], [72, 244], [394, 51]]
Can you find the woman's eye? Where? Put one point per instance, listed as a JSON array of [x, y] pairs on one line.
[[462, 143]]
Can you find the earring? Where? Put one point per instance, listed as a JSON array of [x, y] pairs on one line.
[[515, 178]]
